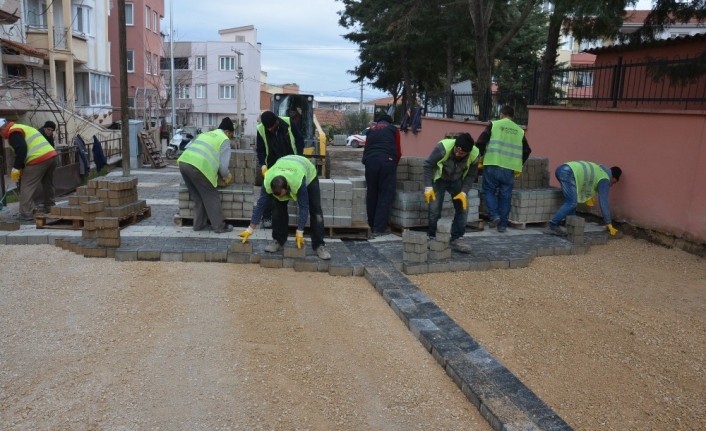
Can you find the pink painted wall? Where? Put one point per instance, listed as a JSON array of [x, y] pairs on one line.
[[433, 131], [662, 154]]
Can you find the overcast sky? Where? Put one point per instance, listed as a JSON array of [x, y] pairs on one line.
[[301, 40]]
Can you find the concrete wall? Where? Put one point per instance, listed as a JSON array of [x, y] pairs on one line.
[[662, 154]]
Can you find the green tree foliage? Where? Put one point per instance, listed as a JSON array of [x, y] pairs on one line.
[[355, 122], [586, 20]]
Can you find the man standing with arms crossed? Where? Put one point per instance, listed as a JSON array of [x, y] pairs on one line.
[[504, 149]]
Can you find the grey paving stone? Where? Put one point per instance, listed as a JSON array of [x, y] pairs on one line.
[[340, 271], [37, 239], [194, 256], [288, 262], [126, 255], [415, 268], [391, 294], [153, 255], [271, 262], [239, 247], [323, 265], [519, 263], [293, 252], [16, 240], [255, 258], [306, 265], [241, 258], [216, 256], [171, 256], [499, 264]]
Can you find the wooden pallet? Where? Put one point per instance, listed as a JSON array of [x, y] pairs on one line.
[[181, 221], [399, 230], [524, 225], [50, 221], [151, 150]]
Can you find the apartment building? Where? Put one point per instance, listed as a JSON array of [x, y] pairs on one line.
[[60, 47], [145, 47], [211, 76]]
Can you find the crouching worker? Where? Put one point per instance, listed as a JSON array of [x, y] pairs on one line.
[[291, 177]]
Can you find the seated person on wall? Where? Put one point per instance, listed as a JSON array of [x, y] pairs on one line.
[[291, 177], [580, 182], [451, 167]]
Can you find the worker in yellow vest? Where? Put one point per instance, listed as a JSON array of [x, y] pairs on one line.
[[451, 167], [291, 177], [505, 150], [276, 138], [205, 159], [580, 182], [35, 162]]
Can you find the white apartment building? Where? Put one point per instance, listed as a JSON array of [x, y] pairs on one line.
[[208, 76]]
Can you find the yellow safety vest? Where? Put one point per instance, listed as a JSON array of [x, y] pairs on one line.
[[204, 153], [505, 146], [587, 176], [449, 145], [261, 132], [37, 144], [294, 169]]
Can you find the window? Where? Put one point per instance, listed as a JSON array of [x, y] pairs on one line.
[[200, 63], [584, 79], [148, 63], [130, 102], [240, 38], [182, 91], [154, 22], [209, 119], [148, 17], [226, 92], [155, 64], [130, 60], [200, 91], [567, 43], [81, 18], [36, 13], [100, 89], [129, 14], [585, 44], [227, 63]]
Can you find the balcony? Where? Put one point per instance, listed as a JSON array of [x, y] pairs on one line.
[[10, 11], [37, 38]]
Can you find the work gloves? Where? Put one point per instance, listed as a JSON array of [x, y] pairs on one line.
[[229, 179], [517, 174], [591, 201], [246, 234], [16, 174], [299, 236], [480, 163], [613, 231], [264, 170], [429, 194], [462, 197]]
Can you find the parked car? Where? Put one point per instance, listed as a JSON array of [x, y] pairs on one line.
[[356, 141]]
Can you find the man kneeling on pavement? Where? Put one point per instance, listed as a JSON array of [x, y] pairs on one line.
[[451, 167], [291, 177]]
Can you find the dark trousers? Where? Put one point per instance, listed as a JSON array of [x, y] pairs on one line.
[[280, 217], [207, 202], [381, 179], [458, 226]]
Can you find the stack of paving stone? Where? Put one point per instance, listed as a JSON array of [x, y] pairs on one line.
[[237, 201], [414, 246], [336, 203], [575, 227], [439, 248], [243, 165], [409, 209], [359, 210], [339, 140], [118, 195], [535, 174]]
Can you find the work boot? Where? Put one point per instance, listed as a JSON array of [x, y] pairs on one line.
[[323, 253], [501, 229], [273, 247], [460, 247], [494, 222], [226, 229], [21, 217], [554, 229]]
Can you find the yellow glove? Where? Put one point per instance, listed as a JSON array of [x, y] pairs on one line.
[[229, 179], [300, 238], [264, 170], [246, 234], [591, 201], [462, 197], [517, 174], [480, 163], [613, 231], [429, 194], [16, 174]]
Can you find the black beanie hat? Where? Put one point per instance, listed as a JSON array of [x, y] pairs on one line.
[[464, 142], [268, 119], [227, 124], [50, 124]]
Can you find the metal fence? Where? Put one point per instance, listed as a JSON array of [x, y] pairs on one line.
[[658, 84]]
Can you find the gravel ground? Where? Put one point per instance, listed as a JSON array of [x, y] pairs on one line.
[[613, 340], [95, 344]]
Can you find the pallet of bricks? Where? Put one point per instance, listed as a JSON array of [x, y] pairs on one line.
[[533, 200], [409, 209], [237, 198], [343, 206], [119, 198]]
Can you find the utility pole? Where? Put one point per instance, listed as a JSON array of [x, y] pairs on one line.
[[240, 90], [361, 96], [124, 120], [171, 63]]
